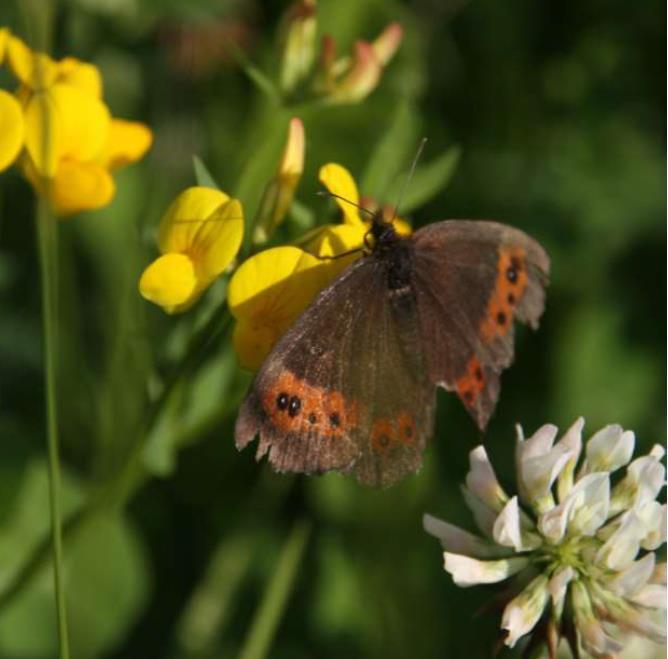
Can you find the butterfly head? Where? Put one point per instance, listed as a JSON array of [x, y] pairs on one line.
[[381, 233]]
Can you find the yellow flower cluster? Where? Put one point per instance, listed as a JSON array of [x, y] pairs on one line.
[[58, 130], [202, 231]]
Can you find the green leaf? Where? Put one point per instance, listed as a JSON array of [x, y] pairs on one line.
[[301, 217], [199, 402], [203, 175], [106, 576], [396, 145], [428, 180]]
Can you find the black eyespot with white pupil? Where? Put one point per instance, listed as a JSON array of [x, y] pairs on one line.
[[294, 406], [282, 401]]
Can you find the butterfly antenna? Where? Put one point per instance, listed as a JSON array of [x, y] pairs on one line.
[[342, 255], [327, 193], [408, 179], [203, 220]]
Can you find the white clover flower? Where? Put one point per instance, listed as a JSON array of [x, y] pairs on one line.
[[571, 538]]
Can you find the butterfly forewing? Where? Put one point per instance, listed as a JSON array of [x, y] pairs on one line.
[[472, 280], [397, 414], [340, 390]]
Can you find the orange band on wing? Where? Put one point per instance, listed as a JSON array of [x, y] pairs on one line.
[[387, 432], [511, 280], [292, 404], [472, 382]]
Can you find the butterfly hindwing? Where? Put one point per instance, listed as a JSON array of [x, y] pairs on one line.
[[472, 280], [341, 389]]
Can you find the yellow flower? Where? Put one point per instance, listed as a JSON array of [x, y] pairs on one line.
[[71, 141], [269, 290], [280, 191], [200, 234], [266, 293]]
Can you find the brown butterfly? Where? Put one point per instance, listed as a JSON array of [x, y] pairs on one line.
[[351, 386]]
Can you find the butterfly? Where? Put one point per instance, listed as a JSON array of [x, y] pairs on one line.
[[351, 386]]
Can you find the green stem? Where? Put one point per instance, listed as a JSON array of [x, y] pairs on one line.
[[130, 476], [275, 598], [48, 245]]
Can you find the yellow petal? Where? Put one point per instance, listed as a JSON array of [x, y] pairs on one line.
[[4, 37], [33, 69], [292, 160], [11, 134], [339, 181], [79, 187], [277, 283], [44, 133], [128, 141], [64, 122], [402, 227], [186, 215], [218, 240], [253, 342], [266, 294], [335, 239], [85, 121], [82, 75], [170, 282]]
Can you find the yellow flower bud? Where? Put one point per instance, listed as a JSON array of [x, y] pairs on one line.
[[279, 193]]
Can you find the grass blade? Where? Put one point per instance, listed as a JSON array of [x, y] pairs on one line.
[[276, 595]]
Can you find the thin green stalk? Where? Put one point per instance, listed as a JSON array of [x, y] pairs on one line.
[[130, 476], [266, 620], [48, 245]]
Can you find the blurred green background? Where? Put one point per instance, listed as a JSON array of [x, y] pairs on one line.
[[176, 545]]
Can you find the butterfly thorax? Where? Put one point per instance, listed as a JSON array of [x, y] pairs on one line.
[[382, 231], [393, 251]]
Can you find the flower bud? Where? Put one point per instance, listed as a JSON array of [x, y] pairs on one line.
[[298, 44], [351, 79], [280, 191]]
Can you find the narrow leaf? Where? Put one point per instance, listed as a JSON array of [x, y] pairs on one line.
[[428, 180], [203, 175], [397, 144]]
